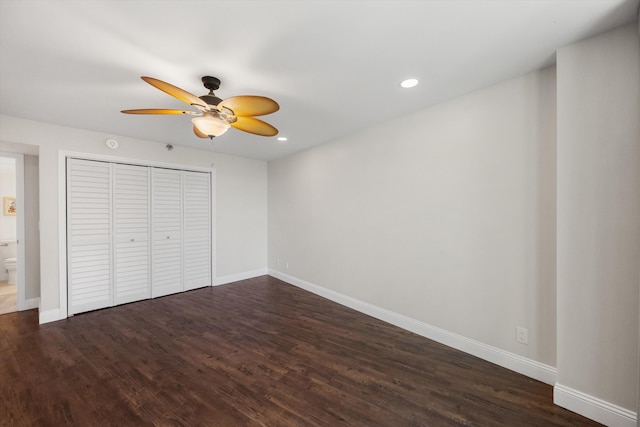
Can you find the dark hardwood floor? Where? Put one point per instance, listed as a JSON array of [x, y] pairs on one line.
[[256, 352]]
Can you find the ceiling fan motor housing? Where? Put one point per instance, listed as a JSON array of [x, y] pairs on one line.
[[211, 83], [211, 99]]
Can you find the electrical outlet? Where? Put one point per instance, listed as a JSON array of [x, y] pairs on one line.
[[277, 263], [287, 266], [522, 335]]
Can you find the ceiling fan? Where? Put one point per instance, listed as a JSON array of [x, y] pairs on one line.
[[216, 115]]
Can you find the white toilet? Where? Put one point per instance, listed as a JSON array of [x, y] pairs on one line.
[[8, 254], [10, 265]]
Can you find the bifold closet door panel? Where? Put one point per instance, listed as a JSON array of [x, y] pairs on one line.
[[135, 232], [166, 219], [89, 238], [197, 230], [131, 222]]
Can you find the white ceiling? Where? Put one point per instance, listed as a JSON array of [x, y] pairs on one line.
[[333, 66]]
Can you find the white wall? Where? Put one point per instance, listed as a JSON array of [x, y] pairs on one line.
[[446, 216], [242, 221], [599, 216], [240, 183]]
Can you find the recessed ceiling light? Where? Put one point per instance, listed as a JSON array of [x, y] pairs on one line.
[[282, 138], [409, 83]]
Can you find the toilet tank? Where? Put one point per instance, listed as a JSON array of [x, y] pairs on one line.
[[8, 249]]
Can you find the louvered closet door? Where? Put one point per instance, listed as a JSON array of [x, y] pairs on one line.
[[89, 274], [131, 221], [167, 232], [197, 230]]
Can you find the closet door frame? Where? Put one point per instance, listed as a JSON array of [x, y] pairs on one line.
[[62, 312]]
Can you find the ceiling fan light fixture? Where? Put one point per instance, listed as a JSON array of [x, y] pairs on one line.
[[210, 125]]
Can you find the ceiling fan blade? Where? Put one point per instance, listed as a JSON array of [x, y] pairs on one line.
[[157, 111], [250, 105], [175, 91], [255, 126], [198, 133]]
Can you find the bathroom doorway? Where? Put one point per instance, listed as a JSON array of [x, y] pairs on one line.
[[15, 207], [8, 234]]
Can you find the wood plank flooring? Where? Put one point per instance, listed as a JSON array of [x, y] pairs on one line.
[[256, 352]]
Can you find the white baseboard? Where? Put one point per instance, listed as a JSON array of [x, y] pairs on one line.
[[30, 304], [222, 280], [50, 316], [54, 315], [514, 362], [594, 408]]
